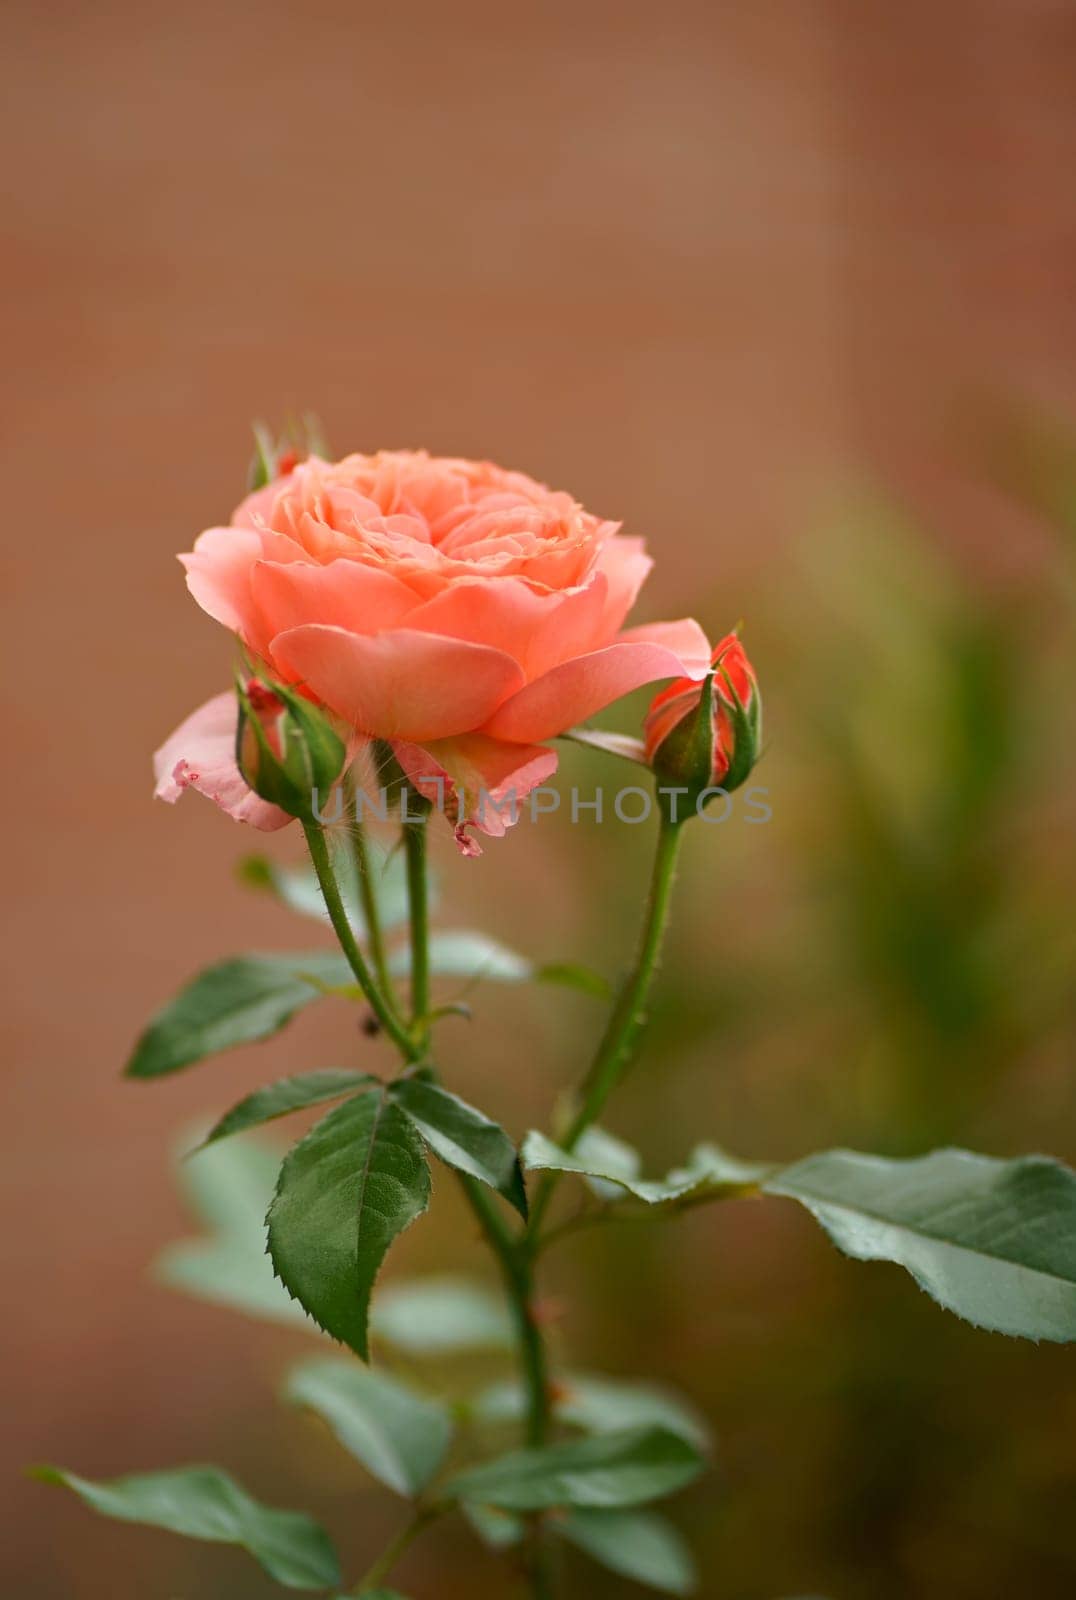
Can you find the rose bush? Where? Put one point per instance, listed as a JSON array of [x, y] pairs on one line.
[[463, 613]]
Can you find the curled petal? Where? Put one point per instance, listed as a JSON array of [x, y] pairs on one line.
[[478, 782], [200, 755], [578, 688]]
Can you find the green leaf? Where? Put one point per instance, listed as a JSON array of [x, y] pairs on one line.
[[229, 1188], [499, 1529], [357, 1180], [599, 1404], [709, 1173], [399, 1436], [298, 888], [205, 1503], [441, 1316], [993, 1241], [613, 1469], [287, 1095], [234, 1002], [573, 975], [463, 1137], [467, 953], [262, 469], [635, 1544]]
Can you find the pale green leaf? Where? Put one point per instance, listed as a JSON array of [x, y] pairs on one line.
[[235, 1002], [499, 1529], [229, 1188], [993, 1241], [613, 1469], [635, 1544], [463, 1137], [441, 1316], [709, 1174], [469, 954], [286, 1095], [399, 1436], [298, 887], [600, 1404], [345, 1191], [205, 1503]]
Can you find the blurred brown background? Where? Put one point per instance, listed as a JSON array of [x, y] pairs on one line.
[[708, 267]]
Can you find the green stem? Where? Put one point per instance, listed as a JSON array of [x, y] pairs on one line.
[[360, 853], [626, 1019], [319, 855], [397, 1547], [510, 1249], [415, 848]]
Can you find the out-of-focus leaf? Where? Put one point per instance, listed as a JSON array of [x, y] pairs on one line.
[[499, 1529], [635, 1544], [708, 1174], [463, 1137], [467, 953], [287, 1095], [598, 1404], [234, 1002], [993, 1241], [612, 1469], [229, 1187], [345, 1191], [263, 468], [441, 1316], [205, 1503], [298, 888], [399, 1436]]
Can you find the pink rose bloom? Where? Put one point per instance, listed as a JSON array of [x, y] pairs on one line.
[[463, 613]]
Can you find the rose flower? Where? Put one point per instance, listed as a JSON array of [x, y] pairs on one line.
[[462, 613]]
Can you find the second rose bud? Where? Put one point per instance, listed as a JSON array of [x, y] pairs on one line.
[[706, 736]]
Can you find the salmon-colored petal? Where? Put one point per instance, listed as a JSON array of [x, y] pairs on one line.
[[476, 781], [401, 684], [536, 627], [684, 638], [218, 576], [201, 755], [625, 566], [344, 594], [578, 688]]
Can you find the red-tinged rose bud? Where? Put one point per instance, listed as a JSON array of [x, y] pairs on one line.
[[286, 749], [706, 736]]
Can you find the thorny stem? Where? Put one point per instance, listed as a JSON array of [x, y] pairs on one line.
[[622, 1030], [418, 898], [319, 855], [360, 854]]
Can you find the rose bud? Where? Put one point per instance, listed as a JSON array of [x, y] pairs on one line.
[[701, 736], [286, 749]]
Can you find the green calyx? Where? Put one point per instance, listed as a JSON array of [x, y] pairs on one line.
[[286, 749]]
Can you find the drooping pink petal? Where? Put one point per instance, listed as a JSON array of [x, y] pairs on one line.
[[200, 755], [478, 782], [402, 684], [580, 687]]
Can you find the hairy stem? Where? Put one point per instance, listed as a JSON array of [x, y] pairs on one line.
[[360, 855], [418, 896], [626, 1019], [319, 855]]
